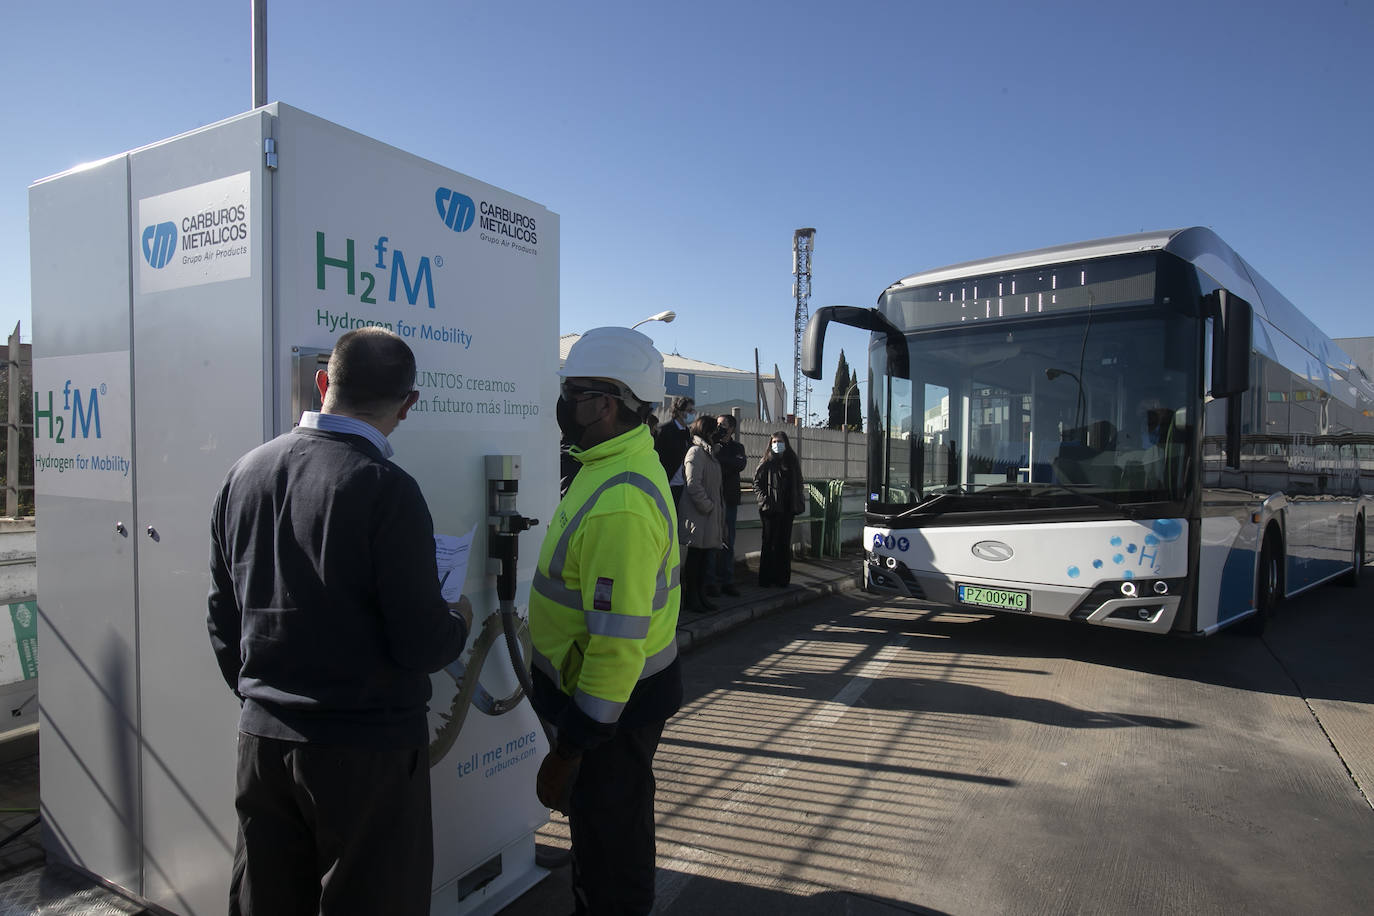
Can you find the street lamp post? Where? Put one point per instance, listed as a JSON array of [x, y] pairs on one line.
[[845, 424], [664, 316], [1080, 405]]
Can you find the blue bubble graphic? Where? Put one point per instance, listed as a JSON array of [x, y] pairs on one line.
[[1097, 564], [1151, 540], [1168, 529], [1073, 572], [1128, 575], [1118, 559], [1130, 548], [1115, 542]]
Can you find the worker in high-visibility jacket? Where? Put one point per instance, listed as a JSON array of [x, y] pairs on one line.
[[603, 620]]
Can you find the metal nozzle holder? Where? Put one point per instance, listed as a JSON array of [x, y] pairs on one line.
[[504, 522]]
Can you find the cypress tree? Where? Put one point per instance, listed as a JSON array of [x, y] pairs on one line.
[[837, 390], [853, 413]]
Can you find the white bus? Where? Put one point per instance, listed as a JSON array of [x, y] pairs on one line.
[[1135, 432]]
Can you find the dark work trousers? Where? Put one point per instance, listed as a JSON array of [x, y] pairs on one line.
[[721, 571], [612, 825], [333, 831], [694, 577], [775, 554]]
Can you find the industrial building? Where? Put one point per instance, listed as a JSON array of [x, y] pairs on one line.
[[716, 389]]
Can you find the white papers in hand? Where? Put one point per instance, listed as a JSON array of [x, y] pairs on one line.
[[451, 555]]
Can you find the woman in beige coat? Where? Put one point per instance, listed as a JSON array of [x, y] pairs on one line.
[[701, 513]]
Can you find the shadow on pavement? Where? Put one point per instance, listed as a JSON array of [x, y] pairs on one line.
[[715, 897], [1319, 639], [931, 695], [780, 761]]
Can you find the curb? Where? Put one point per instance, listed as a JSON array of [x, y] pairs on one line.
[[19, 742], [701, 630]]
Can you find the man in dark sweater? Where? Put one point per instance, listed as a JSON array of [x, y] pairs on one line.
[[326, 618], [730, 453], [672, 442]]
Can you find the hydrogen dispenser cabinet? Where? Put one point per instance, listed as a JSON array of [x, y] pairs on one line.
[[181, 294]]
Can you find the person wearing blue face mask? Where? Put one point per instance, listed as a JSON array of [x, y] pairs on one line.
[[778, 483], [672, 441]]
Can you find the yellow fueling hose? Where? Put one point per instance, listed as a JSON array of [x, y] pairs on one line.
[[471, 692]]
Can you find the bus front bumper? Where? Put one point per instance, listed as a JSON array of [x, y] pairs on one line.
[[1103, 605]]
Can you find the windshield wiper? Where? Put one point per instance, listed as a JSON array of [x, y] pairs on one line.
[[1037, 489], [1023, 489], [925, 504]]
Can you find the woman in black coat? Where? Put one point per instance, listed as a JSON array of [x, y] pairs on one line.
[[778, 483]]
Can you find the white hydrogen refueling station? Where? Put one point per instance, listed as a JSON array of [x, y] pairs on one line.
[[184, 295]]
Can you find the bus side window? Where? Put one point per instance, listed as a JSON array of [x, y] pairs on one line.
[[1214, 415], [1206, 380]]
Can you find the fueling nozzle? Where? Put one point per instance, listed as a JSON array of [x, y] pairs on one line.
[[503, 546], [504, 524]]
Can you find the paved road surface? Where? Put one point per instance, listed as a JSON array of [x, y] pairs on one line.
[[867, 758]]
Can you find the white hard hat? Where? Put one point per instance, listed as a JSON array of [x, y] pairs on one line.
[[619, 354]]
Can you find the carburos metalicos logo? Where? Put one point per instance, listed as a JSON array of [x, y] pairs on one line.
[[206, 229], [159, 244], [194, 235], [456, 210], [500, 225]]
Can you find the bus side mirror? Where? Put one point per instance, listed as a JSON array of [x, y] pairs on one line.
[[814, 338], [1231, 344]]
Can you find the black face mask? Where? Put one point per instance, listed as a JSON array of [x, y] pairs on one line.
[[567, 422]]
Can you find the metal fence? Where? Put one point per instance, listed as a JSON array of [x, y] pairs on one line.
[[826, 454], [16, 465]]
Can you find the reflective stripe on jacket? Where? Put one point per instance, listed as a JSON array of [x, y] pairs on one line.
[[604, 603]]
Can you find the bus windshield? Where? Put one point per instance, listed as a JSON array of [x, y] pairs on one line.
[[1074, 409]]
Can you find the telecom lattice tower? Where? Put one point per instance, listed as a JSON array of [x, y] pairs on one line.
[[803, 240]]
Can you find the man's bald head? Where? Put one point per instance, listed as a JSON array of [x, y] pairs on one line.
[[371, 372]]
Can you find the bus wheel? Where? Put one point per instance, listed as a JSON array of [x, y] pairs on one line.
[[1352, 578], [1268, 588]]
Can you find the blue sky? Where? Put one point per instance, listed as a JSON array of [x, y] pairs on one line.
[[682, 144]]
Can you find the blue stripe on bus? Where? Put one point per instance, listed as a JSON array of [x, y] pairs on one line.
[[1237, 584]]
